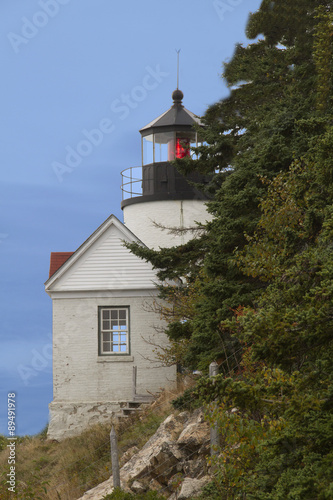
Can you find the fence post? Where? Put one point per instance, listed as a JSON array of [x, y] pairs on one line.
[[114, 459], [214, 435]]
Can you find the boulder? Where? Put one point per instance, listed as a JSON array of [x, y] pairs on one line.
[[164, 463], [195, 468], [159, 455], [196, 433], [129, 454], [155, 485], [192, 487]]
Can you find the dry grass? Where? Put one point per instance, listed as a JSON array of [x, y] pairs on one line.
[[49, 470]]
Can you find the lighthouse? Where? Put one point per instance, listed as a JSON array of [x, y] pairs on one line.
[[105, 323], [158, 202]]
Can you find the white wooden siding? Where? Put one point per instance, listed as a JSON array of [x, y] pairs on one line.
[[107, 265]]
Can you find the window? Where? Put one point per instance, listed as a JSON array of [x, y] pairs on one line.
[[113, 330]]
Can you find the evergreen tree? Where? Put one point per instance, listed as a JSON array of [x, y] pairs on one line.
[[279, 443], [276, 414], [269, 118]]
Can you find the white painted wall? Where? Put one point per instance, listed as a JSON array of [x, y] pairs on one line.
[[79, 374], [140, 218], [89, 388]]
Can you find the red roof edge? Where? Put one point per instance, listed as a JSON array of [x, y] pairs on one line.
[[57, 260]]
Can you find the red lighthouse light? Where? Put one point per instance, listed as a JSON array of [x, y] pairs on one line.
[[182, 147]]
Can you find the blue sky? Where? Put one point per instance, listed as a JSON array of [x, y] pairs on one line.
[[70, 67]]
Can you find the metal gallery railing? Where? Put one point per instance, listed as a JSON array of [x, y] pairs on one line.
[[131, 184]]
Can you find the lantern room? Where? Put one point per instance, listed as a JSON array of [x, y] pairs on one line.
[[170, 136]]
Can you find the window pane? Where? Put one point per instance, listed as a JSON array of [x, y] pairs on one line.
[[162, 145], [115, 338], [106, 337], [114, 313], [105, 314], [114, 324], [122, 314], [106, 347], [123, 338], [115, 348], [106, 325], [123, 348], [122, 323], [147, 146]]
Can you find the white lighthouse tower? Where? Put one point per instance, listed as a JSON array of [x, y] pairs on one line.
[[156, 196]]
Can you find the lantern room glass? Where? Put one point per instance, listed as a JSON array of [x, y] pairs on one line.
[[148, 149], [167, 146], [164, 142]]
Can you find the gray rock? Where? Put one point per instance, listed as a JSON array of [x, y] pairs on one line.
[[192, 487], [195, 468], [138, 487], [156, 451], [129, 454], [196, 433]]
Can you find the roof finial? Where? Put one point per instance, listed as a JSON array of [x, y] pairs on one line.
[[177, 95], [178, 67]]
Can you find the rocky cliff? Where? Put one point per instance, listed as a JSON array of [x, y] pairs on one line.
[[173, 461]]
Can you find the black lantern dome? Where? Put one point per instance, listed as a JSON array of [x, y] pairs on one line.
[[170, 136]]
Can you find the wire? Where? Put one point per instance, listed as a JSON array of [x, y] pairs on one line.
[[79, 459], [107, 443], [81, 470], [150, 472], [141, 477]]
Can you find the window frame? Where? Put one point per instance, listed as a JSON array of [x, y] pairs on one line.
[[100, 332]]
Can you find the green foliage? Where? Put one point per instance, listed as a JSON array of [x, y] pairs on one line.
[[189, 400], [323, 57], [276, 414], [291, 328], [211, 491], [259, 280]]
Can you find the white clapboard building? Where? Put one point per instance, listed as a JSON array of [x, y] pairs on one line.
[[105, 325]]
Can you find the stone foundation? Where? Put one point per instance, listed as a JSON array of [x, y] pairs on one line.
[[70, 419]]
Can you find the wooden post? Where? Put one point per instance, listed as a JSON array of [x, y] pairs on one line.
[[213, 369], [135, 368], [214, 435], [114, 458]]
